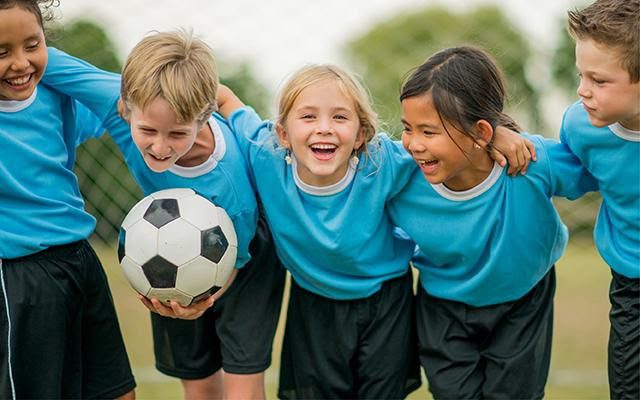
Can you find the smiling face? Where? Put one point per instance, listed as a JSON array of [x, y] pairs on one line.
[[450, 158], [605, 88], [158, 135], [322, 130], [23, 53]]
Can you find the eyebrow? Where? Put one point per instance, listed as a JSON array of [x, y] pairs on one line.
[[422, 126]]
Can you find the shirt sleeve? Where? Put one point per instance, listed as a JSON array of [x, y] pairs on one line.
[[568, 177], [250, 131], [95, 89]]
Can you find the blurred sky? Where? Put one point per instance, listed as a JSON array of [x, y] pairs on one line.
[[278, 36]]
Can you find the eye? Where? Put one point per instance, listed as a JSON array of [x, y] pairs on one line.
[[599, 82], [147, 131], [307, 116], [3, 53], [341, 116], [32, 46], [179, 135]]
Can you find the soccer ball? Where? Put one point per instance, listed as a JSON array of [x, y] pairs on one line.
[[176, 245]]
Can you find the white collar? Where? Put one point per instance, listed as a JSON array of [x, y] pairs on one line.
[[211, 162], [475, 191], [624, 133], [324, 190], [11, 106]]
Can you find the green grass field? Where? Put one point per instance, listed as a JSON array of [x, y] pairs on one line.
[[578, 364]]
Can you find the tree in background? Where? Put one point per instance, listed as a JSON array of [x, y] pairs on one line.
[[106, 185], [385, 54], [563, 64]]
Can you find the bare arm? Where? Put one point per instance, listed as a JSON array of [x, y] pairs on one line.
[[228, 102], [512, 147]]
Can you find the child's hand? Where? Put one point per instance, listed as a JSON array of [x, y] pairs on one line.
[[193, 311], [509, 146]]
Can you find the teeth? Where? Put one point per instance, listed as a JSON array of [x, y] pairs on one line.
[[19, 81], [322, 146]]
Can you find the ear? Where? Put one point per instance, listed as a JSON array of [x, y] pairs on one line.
[[283, 138], [123, 110], [484, 132], [359, 140]]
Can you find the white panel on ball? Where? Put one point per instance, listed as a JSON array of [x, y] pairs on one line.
[[226, 265], [135, 275], [166, 295], [141, 242], [198, 211], [178, 242], [195, 277], [178, 193]]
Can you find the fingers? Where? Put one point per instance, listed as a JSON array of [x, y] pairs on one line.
[[175, 310]]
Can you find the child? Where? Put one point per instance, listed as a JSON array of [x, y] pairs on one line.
[[603, 131], [349, 330], [488, 242], [60, 335], [169, 84]]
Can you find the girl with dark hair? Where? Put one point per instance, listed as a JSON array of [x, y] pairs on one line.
[[488, 242], [59, 335]]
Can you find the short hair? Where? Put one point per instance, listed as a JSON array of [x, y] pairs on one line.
[[348, 83], [42, 9], [174, 66], [612, 23]]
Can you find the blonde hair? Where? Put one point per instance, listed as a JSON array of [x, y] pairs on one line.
[[174, 66], [350, 86], [615, 24]]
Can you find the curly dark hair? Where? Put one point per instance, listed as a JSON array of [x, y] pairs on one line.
[[42, 9]]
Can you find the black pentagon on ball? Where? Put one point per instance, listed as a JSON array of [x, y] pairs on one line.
[[213, 244], [121, 239], [162, 211], [160, 273]]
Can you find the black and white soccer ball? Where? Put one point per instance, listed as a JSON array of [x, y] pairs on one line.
[[176, 245]]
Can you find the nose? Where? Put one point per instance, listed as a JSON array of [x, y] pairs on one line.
[[19, 61], [324, 127], [583, 90], [412, 143], [160, 146]]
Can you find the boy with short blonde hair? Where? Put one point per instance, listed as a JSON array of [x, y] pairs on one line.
[[166, 65], [170, 140], [603, 130]]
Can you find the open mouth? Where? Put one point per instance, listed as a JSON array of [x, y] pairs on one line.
[[323, 151], [19, 82], [428, 166], [159, 158]]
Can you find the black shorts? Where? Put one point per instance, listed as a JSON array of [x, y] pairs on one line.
[[58, 317], [236, 334], [500, 351], [624, 337], [350, 349]]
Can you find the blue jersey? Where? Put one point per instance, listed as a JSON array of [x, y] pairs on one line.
[[612, 155], [336, 241], [223, 179], [492, 243], [40, 203]]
